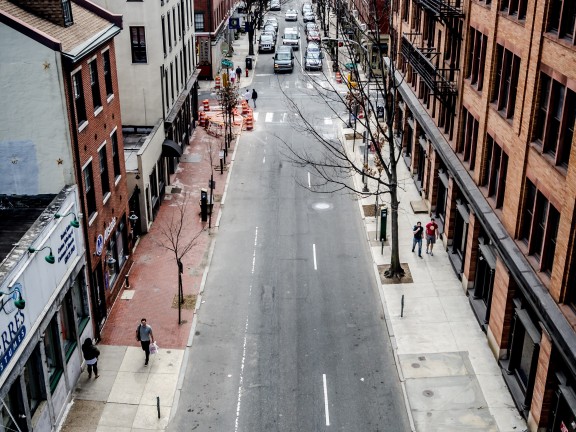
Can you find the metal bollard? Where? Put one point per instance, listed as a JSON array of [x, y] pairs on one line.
[[402, 307], [127, 280], [158, 405]]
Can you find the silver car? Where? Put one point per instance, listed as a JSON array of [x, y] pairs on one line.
[[291, 15], [313, 60]]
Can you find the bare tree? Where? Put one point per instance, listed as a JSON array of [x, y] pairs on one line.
[[172, 240], [333, 165]]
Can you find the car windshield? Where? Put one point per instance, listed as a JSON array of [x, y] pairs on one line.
[[292, 36], [313, 55], [269, 27], [283, 56], [266, 38]]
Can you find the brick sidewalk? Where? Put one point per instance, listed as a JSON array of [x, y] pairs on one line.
[[154, 274]]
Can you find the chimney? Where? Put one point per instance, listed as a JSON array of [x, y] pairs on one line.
[[58, 12]]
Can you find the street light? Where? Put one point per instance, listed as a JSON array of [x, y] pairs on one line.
[[48, 258], [15, 294]]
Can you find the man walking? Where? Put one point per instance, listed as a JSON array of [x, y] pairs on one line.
[[254, 96], [247, 96], [238, 74], [431, 235], [418, 232], [145, 336]]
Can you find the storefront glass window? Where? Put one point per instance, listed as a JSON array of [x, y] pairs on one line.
[[12, 410], [120, 244], [34, 380], [80, 300], [53, 353], [68, 325]]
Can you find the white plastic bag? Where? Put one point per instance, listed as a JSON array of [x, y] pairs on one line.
[[153, 348]]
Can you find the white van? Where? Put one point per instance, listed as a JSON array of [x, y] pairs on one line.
[[291, 38]]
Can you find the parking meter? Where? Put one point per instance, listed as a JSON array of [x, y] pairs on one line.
[[383, 222], [204, 204]]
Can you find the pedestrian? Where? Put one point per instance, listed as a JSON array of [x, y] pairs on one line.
[[238, 74], [247, 96], [91, 354], [232, 76], [431, 235], [145, 336], [418, 231], [254, 96]]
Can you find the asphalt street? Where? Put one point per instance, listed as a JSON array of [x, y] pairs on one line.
[[291, 334]]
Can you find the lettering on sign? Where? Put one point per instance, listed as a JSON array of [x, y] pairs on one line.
[[204, 51], [109, 229], [11, 338], [67, 244]]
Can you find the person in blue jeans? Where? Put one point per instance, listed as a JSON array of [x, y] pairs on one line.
[[418, 232]]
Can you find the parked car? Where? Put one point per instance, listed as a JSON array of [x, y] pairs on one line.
[[313, 36], [311, 26], [284, 60], [272, 21], [275, 5], [306, 7], [313, 46], [269, 29], [313, 60], [291, 38], [266, 43], [309, 17], [291, 15]]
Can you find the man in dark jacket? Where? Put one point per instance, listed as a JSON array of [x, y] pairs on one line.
[[91, 354], [254, 96]]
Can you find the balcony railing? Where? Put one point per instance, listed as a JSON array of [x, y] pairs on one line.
[[438, 80], [443, 8]]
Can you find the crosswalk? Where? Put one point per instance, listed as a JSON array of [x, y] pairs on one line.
[[284, 117]]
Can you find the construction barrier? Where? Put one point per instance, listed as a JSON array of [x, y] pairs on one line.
[[206, 104], [217, 82], [338, 78], [249, 122], [245, 108], [201, 118]]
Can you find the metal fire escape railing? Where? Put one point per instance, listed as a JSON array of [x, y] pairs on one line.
[[421, 59], [443, 9]]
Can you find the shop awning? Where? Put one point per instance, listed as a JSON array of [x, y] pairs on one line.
[[171, 149]]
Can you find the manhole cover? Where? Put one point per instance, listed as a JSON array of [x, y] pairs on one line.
[[415, 365], [428, 393]]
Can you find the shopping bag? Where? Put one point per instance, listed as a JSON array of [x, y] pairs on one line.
[[153, 348]]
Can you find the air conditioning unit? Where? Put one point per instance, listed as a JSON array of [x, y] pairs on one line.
[[355, 13]]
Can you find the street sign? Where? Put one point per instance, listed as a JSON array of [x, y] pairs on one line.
[[227, 63]]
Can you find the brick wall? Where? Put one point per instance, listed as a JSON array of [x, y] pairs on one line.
[[502, 307], [543, 392], [471, 258], [451, 210]]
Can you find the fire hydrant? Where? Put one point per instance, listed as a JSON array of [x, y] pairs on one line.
[[246, 72]]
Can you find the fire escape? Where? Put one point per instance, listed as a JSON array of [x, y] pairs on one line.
[[420, 52]]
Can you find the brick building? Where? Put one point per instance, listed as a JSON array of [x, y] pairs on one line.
[[64, 125], [485, 120]]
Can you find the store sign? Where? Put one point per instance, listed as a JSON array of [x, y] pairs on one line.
[[109, 229], [99, 244], [11, 338], [203, 50], [67, 245]]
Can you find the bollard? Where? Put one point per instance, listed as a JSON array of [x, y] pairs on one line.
[[127, 280], [158, 405], [402, 307]]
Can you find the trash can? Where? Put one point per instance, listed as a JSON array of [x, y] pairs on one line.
[[249, 63], [380, 111]]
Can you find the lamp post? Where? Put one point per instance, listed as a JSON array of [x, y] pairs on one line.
[[15, 294]]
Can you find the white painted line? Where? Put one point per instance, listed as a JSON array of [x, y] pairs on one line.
[[309, 184], [255, 115], [328, 121], [240, 389], [264, 160], [314, 253], [326, 400], [284, 117], [269, 117]]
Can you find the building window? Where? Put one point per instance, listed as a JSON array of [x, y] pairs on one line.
[[506, 82], [164, 35], [67, 13], [107, 73], [516, 8], [138, 42], [95, 85], [172, 81], [199, 21], [79, 102], [540, 227], [169, 31], [53, 353], [68, 325], [176, 70], [115, 154], [89, 190], [469, 138], [174, 25], [476, 58], [556, 114], [34, 380], [12, 410], [166, 94], [496, 167], [79, 294], [180, 22], [405, 10], [562, 18], [104, 180]]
